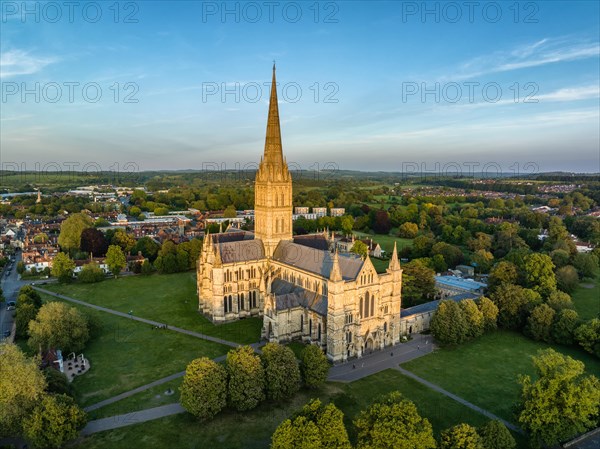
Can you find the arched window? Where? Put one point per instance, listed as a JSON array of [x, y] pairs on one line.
[[302, 323], [372, 305], [239, 303], [225, 304], [360, 308], [229, 303], [242, 305], [319, 332], [310, 327], [366, 305], [385, 327]]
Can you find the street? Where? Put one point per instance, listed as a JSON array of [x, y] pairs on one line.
[[11, 285]]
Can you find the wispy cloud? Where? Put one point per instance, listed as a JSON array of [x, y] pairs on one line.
[[20, 62], [542, 52]]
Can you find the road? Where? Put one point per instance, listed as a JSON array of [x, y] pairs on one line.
[[10, 286]]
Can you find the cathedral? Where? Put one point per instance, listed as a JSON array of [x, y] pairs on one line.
[[303, 291]]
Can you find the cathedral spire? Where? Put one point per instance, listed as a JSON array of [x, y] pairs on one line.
[[273, 148], [336, 273], [394, 263]]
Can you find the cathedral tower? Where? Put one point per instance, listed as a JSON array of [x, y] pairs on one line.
[[273, 185]]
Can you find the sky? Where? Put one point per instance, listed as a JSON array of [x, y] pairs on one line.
[[376, 86]]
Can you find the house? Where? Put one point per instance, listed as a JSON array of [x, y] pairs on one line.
[[452, 285]]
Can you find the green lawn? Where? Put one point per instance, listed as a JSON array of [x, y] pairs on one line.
[[167, 298], [587, 300], [128, 354], [485, 371], [253, 429]]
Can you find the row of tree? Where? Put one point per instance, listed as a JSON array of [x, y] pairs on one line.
[[390, 422], [247, 379], [457, 322]]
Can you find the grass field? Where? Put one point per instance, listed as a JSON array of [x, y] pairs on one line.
[[253, 429], [167, 298], [485, 371], [127, 354], [587, 300]]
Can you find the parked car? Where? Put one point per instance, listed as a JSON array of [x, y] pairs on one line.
[[10, 305]]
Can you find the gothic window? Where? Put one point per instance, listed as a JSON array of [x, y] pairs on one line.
[[302, 323], [242, 305], [385, 327], [310, 327], [230, 303], [225, 304], [282, 202], [360, 308], [366, 314], [372, 305], [319, 332]]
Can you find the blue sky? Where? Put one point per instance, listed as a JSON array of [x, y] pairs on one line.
[[375, 85]]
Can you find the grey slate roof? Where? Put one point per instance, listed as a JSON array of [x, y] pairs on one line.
[[317, 241], [288, 296], [315, 260], [241, 251], [433, 305]]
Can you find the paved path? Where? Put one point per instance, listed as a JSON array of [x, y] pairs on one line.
[[114, 422], [378, 361], [142, 320], [458, 399], [142, 388]]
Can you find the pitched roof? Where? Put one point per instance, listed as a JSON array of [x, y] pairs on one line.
[[317, 241], [316, 261], [288, 296], [241, 251]]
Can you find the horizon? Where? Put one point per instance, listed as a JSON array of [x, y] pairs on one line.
[[511, 86]]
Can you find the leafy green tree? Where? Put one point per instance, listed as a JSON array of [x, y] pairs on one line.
[[586, 265], [347, 224], [57, 382], [503, 273], [246, 385], [55, 420], [393, 422], [147, 267], [62, 267], [461, 436], [148, 247], [408, 230], [204, 388], [539, 323], [298, 434], [563, 328], [539, 274], [489, 311], [448, 324], [24, 313], [282, 374], [588, 336], [58, 326], [484, 260], [418, 282], [28, 294], [452, 254], [560, 257], [23, 386], [115, 259], [93, 241], [314, 367], [360, 248], [90, 273], [514, 304], [230, 212], [560, 300], [567, 278], [69, 238], [495, 435], [20, 267], [473, 317], [561, 403], [123, 239]]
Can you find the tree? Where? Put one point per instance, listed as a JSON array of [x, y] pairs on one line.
[[246, 386], [347, 224], [393, 422], [560, 300], [58, 326], [473, 317], [452, 254], [204, 388], [381, 222], [314, 367], [147, 267], [418, 282], [586, 265], [448, 324], [539, 323], [588, 336], [539, 274], [483, 259], [91, 273], [123, 239], [24, 313], [23, 385], [69, 238], [560, 257], [115, 259], [54, 421], [230, 212], [360, 248], [563, 328], [282, 374], [495, 435], [62, 267], [461, 436], [567, 278], [93, 241], [502, 273], [57, 382], [489, 311], [408, 230], [315, 426], [28, 294], [148, 247], [514, 304], [20, 267], [561, 403]]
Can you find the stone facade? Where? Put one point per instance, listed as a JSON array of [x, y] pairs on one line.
[[338, 302]]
